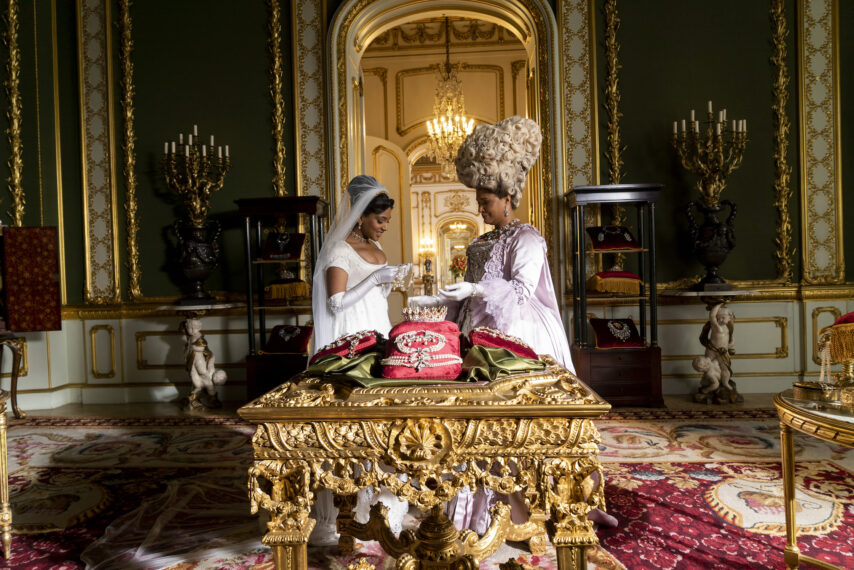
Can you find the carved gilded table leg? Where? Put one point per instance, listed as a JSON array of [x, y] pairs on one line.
[[576, 489], [282, 489], [345, 505], [5, 508]]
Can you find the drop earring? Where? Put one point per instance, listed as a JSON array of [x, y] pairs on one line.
[[506, 211]]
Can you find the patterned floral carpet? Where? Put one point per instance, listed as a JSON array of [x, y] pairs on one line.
[[690, 490]]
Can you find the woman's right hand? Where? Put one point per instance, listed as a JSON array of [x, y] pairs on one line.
[[383, 275]]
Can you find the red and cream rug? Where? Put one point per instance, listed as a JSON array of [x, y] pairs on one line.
[[690, 490]]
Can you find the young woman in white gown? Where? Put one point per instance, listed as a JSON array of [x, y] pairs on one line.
[[351, 283]]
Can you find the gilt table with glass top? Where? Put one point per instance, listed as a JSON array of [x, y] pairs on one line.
[[530, 433], [824, 420]]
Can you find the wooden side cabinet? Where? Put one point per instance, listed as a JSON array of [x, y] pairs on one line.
[[622, 376]]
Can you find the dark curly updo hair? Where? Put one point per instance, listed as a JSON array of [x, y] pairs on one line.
[[379, 204]]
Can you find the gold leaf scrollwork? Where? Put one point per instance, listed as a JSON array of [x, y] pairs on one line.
[[419, 441], [274, 45], [782, 170], [614, 151], [128, 92], [14, 114]]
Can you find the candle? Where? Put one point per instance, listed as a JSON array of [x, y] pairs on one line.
[[219, 151], [173, 147], [674, 127], [683, 125], [196, 130], [692, 115], [724, 114], [720, 116], [696, 127], [212, 141], [744, 126], [180, 138], [191, 139], [186, 150], [204, 150], [710, 106], [718, 129], [733, 125], [226, 151], [166, 148]]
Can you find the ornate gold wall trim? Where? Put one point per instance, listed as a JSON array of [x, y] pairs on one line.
[[58, 150], [14, 113], [781, 351], [382, 74], [821, 178], [93, 333], [613, 153], [99, 198], [401, 75], [274, 46], [815, 313], [516, 67], [782, 171], [128, 92], [307, 31], [38, 111]]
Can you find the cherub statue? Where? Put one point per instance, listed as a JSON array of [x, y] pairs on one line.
[[716, 363], [201, 366]]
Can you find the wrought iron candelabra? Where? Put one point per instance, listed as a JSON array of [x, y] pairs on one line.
[[195, 170], [712, 153]]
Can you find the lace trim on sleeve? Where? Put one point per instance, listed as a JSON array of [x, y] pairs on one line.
[[334, 303], [521, 293]]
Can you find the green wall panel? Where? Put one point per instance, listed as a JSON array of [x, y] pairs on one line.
[[846, 76], [675, 56]]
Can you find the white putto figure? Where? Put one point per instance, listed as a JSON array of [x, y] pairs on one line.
[[351, 283]]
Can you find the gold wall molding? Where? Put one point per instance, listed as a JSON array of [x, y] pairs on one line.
[[274, 46], [308, 32], [613, 153], [25, 360], [382, 74], [401, 76], [38, 111], [128, 92], [58, 150], [96, 120], [815, 314], [821, 177], [93, 334], [454, 201], [14, 112], [465, 32], [782, 171], [781, 351], [516, 68], [142, 336]]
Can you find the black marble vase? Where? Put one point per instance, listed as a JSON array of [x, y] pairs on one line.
[[198, 247], [713, 240]]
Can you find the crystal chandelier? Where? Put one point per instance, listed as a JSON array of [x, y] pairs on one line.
[[449, 127]]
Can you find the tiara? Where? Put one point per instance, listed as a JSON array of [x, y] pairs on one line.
[[425, 314]]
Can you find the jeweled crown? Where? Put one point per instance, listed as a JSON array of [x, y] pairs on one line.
[[425, 314]]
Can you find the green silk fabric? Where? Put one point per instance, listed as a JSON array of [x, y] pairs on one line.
[[481, 364]]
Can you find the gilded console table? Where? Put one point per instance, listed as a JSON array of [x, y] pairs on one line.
[[531, 433], [818, 419]]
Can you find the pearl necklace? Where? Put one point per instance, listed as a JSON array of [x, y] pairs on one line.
[[358, 237]]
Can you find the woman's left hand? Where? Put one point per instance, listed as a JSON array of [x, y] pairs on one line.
[[460, 291]]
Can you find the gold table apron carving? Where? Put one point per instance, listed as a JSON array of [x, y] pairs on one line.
[[530, 433]]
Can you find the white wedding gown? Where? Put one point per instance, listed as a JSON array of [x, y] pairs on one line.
[[368, 313]]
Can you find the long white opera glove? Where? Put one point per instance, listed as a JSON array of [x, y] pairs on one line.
[[346, 299], [461, 291]]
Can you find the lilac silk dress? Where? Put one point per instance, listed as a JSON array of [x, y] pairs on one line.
[[518, 299], [518, 294]]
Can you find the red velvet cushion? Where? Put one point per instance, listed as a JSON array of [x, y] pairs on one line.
[[612, 237], [617, 282], [485, 336], [418, 349], [844, 319], [349, 345], [616, 333], [289, 338]]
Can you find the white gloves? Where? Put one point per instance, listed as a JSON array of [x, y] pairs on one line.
[[460, 291], [384, 276]]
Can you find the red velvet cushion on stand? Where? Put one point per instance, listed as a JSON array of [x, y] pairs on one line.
[[485, 336], [618, 282], [288, 338], [418, 349], [844, 319], [612, 237], [616, 333], [349, 345]]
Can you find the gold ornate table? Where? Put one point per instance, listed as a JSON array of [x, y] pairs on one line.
[[530, 433], [818, 419]]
